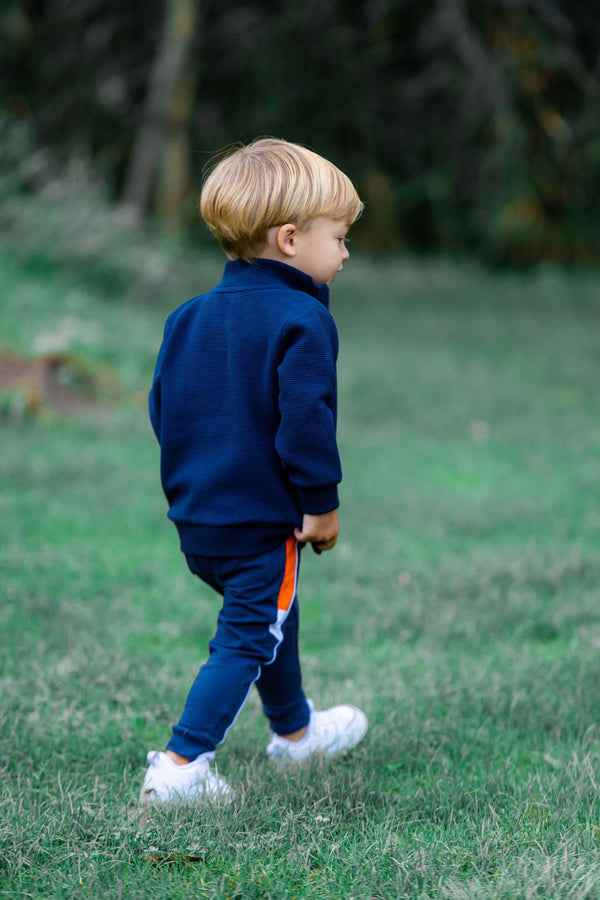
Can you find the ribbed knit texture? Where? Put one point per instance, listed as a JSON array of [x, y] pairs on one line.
[[243, 404]]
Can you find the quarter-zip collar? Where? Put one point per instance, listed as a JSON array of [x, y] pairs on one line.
[[269, 273]]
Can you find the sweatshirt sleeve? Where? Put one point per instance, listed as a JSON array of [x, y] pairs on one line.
[[306, 437], [154, 399], [155, 396]]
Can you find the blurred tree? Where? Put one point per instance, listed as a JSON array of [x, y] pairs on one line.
[[161, 147]]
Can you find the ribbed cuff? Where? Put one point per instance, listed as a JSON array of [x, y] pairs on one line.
[[315, 501]]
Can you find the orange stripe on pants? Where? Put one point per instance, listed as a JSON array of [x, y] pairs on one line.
[[288, 585]]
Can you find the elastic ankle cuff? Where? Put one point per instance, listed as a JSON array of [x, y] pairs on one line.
[[289, 720], [187, 745]]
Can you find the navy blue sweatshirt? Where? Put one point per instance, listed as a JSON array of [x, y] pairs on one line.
[[243, 404]]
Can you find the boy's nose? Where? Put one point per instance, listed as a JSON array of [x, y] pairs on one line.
[[346, 253]]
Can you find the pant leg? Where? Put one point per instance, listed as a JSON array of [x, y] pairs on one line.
[[258, 594], [280, 682]]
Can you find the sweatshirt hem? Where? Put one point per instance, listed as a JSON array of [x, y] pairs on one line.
[[231, 540]]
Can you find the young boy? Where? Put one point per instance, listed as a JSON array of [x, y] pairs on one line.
[[243, 404]]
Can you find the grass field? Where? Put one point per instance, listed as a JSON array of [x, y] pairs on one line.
[[460, 608]]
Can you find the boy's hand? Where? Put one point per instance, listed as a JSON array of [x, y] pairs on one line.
[[320, 530]]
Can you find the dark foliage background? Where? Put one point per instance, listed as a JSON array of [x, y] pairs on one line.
[[467, 126]]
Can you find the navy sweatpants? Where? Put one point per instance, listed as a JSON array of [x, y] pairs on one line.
[[256, 642]]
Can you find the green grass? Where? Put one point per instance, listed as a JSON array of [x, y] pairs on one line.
[[460, 607]]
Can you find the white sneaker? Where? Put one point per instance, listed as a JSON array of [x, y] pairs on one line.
[[166, 782], [332, 730]]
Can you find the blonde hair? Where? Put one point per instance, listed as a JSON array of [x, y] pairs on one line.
[[271, 182]]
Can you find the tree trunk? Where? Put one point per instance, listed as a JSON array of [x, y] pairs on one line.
[[161, 151]]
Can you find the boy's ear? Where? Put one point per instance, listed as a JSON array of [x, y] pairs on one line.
[[286, 239]]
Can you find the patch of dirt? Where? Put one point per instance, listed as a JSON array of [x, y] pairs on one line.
[[58, 381]]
